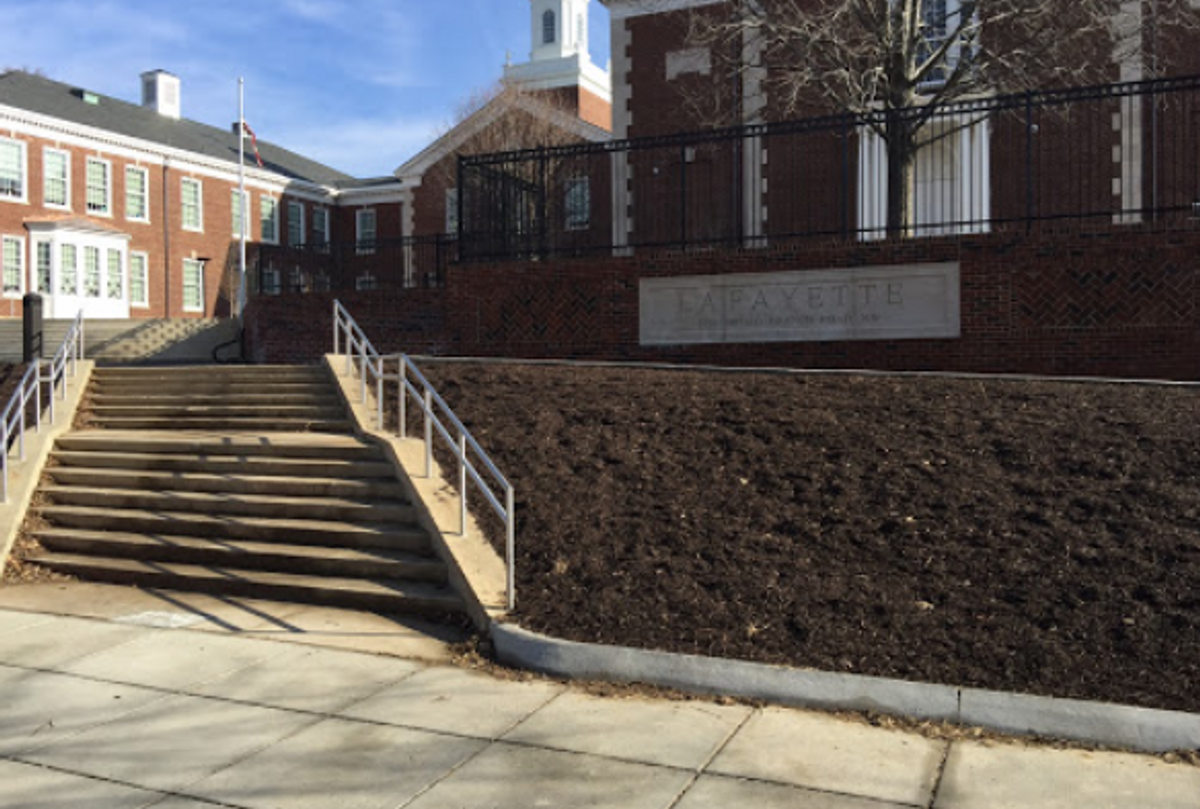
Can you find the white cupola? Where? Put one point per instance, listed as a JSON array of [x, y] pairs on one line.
[[559, 28], [160, 92]]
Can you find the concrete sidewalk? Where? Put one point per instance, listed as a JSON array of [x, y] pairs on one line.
[[113, 712]]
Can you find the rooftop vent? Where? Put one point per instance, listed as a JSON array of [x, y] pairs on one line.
[[160, 92]]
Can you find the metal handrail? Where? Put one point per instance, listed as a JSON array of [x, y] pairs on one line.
[[362, 358], [53, 374]]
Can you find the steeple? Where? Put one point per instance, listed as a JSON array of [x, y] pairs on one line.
[[559, 59]]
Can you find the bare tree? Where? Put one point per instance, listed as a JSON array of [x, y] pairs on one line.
[[903, 61]]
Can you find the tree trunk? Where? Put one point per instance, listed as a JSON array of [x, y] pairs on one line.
[[901, 157]]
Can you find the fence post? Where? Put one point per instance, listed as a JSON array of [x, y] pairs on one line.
[[428, 433], [403, 396], [462, 482], [683, 154], [1028, 160]]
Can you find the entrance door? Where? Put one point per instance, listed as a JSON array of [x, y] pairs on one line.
[[85, 272]]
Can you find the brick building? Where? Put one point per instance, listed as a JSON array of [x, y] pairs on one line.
[[130, 210]]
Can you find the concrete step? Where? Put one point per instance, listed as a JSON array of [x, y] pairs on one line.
[[230, 424], [235, 409], [393, 536], [228, 484], [215, 463], [248, 396], [275, 445], [248, 373], [236, 505], [370, 594], [244, 555]]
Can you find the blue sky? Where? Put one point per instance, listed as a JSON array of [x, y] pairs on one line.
[[361, 85]]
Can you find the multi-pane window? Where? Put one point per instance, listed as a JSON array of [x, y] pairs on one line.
[[139, 279], [91, 272], [12, 169], [137, 191], [295, 217], [44, 253], [193, 204], [193, 285], [365, 227], [116, 276], [239, 204], [68, 270], [99, 186], [452, 210], [269, 214], [12, 256], [578, 203], [272, 281], [320, 226], [56, 178], [366, 282], [549, 27]]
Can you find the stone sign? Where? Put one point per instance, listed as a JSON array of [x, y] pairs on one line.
[[865, 303]]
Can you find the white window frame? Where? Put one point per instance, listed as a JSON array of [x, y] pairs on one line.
[[269, 222], [184, 184], [93, 269], [193, 265], [452, 211], [953, 11], [114, 269], [574, 219], [22, 169], [43, 249], [363, 245], [295, 223], [6, 243], [237, 214], [68, 269], [139, 274], [47, 153], [106, 211], [320, 214], [145, 195]]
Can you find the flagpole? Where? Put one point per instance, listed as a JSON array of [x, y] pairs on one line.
[[241, 297]]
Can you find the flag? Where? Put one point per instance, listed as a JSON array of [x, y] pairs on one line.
[[253, 142]]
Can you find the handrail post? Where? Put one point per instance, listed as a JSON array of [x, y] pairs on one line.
[[462, 483], [428, 433], [510, 548], [403, 395], [337, 337], [37, 394], [362, 372], [50, 396], [379, 394]]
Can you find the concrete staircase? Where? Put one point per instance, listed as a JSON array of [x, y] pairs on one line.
[[231, 398], [313, 517], [162, 341]]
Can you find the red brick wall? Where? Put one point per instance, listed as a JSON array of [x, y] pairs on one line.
[[1124, 303], [162, 238]]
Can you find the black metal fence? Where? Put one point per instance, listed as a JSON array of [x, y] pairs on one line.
[[410, 262], [1115, 154]]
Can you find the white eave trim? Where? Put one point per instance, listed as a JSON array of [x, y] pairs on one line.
[[627, 9]]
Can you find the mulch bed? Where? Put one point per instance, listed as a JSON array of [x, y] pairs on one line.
[[1041, 537]]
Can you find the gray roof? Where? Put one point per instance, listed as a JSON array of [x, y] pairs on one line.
[[41, 95]]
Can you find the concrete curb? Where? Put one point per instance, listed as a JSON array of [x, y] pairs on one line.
[[1127, 727]]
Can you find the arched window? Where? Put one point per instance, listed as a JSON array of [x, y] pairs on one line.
[[548, 28]]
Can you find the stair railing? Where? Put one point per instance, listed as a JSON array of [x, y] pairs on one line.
[[51, 373], [371, 367]]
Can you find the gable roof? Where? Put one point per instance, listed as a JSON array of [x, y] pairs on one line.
[[33, 93], [485, 115]]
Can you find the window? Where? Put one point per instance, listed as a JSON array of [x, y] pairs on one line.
[[116, 276], [366, 232], [139, 279], [56, 178], [68, 270], [193, 285], [320, 226], [272, 280], [366, 282], [548, 28], [578, 204], [950, 181], [193, 204], [269, 214], [45, 268], [940, 20], [295, 222], [452, 211], [99, 187], [239, 204], [91, 272], [12, 257], [12, 170], [137, 191]]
